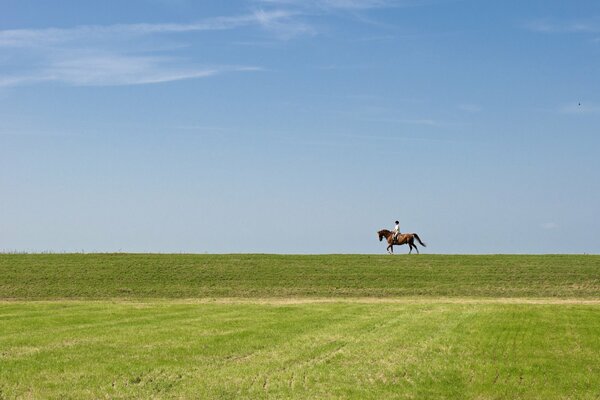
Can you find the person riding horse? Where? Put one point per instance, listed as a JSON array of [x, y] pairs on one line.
[[404, 238], [396, 232]]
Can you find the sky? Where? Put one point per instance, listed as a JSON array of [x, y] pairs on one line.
[[289, 126]]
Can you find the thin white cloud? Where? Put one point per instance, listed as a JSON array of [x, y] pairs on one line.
[[283, 24], [107, 55], [558, 26], [407, 121], [549, 225], [8, 81], [357, 10], [89, 33], [207, 128], [322, 3], [472, 108], [346, 4], [106, 69], [342, 67], [429, 122], [352, 4]]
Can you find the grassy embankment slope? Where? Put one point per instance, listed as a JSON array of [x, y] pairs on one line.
[[138, 276], [194, 326]]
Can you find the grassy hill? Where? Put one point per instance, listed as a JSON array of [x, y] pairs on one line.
[[132, 326], [136, 276]]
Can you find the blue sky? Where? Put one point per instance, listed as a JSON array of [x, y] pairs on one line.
[[288, 126]]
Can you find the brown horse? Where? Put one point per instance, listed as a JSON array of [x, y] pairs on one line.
[[402, 238]]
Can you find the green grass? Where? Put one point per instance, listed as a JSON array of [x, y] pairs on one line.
[[358, 327], [136, 276], [334, 350]]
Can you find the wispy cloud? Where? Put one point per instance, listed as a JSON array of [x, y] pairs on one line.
[[358, 11], [117, 70], [417, 121], [90, 33], [328, 4], [341, 67], [561, 26], [472, 108], [100, 55], [549, 225], [347, 4], [106, 69], [284, 24], [410, 121]]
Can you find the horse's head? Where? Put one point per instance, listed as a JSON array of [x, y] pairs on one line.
[[381, 235]]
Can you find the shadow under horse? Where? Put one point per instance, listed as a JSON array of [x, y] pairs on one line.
[[403, 238]]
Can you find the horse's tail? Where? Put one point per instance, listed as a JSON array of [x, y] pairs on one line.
[[419, 239]]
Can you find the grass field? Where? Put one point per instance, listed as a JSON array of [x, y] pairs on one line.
[[136, 276], [262, 326]]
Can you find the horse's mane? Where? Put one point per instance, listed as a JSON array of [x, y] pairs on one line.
[[384, 231]]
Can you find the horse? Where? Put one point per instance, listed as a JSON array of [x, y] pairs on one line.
[[402, 238]]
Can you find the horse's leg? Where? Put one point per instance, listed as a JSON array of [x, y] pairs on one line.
[[390, 242]]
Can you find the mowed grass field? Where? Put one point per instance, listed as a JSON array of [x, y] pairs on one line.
[[173, 276], [264, 326]]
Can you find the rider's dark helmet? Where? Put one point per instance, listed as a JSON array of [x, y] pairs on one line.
[[397, 222]]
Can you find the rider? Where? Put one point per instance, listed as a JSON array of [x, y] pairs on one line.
[[396, 231]]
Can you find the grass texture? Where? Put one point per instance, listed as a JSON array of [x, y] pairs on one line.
[[92, 350], [130, 326], [137, 276]]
